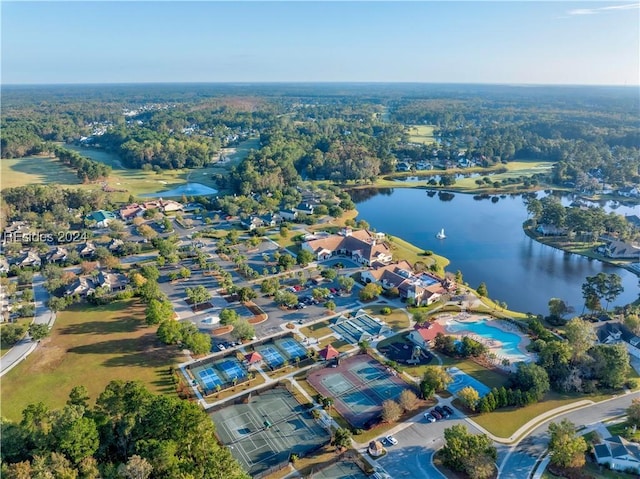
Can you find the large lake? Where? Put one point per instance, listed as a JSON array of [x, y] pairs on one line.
[[486, 242]]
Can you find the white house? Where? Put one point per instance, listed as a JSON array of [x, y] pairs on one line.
[[618, 453], [288, 214]]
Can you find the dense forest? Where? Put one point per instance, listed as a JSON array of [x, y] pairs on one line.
[[350, 132], [130, 432]]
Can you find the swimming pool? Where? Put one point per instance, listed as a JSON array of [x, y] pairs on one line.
[[482, 328]]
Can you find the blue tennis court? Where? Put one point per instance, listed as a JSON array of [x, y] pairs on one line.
[[271, 356], [462, 380], [291, 348], [210, 379], [231, 368]]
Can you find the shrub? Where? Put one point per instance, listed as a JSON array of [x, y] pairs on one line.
[[386, 310]]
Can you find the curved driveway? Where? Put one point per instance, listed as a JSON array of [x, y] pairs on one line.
[[43, 315]]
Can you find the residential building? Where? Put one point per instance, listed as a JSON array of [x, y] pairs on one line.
[[87, 249], [421, 287], [618, 453], [252, 222], [166, 206], [112, 281], [115, 244], [129, 212], [57, 255], [615, 333], [361, 246], [28, 259], [100, 218], [305, 208], [4, 265], [288, 214], [617, 249], [82, 286], [403, 166]]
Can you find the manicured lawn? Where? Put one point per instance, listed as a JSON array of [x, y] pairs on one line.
[[625, 430], [504, 422], [317, 330], [421, 134], [407, 251], [397, 320], [90, 346], [40, 170]]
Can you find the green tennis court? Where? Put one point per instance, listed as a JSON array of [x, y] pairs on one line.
[[265, 431]]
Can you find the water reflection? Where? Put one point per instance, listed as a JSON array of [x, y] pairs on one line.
[[486, 242]]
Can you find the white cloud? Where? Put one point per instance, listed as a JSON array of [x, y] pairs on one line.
[[595, 11]]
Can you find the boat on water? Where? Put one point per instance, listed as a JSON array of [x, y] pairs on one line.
[[441, 234]]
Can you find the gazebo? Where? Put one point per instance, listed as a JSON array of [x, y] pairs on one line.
[[253, 358], [329, 352]]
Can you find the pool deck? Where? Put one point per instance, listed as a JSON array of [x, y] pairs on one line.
[[493, 344]]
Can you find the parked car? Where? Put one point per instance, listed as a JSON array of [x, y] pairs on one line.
[[429, 417], [436, 414], [442, 412], [221, 347], [391, 440], [448, 409]]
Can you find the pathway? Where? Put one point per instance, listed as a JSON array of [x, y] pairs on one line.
[[43, 315]]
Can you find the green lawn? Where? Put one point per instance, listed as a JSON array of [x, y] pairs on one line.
[[625, 430], [39, 170], [397, 320], [504, 422], [405, 250], [89, 346], [421, 134], [317, 330]]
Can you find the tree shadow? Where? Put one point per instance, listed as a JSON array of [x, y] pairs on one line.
[[121, 325]]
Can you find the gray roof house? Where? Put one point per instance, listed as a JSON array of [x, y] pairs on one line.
[[618, 453]]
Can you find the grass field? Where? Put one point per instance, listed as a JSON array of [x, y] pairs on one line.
[[421, 134], [515, 169], [43, 170], [40, 170], [397, 320], [89, 346], [504, 422]]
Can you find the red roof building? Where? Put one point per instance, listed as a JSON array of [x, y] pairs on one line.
[[253, 357], [329, 353]]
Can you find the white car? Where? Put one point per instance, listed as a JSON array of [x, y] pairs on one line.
[[429, 417], [391, 440], [221, 346]]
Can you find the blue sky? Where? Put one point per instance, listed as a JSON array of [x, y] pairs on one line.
[[527, 42]]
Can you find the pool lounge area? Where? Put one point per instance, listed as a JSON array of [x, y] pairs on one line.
[[509, 345]]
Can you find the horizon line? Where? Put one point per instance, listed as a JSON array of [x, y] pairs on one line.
[[318, 82]]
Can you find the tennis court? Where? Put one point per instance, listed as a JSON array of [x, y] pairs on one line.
[[359, 386], [271, 356], [231, 369], [263, 432], [368, 324], [291, 348], [210, 379], [340, 470]]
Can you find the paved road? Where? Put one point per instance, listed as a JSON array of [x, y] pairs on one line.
[[412, 456], [43, 315], [521, 460]]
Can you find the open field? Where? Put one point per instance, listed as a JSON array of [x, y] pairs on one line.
[[504, 422], [404, 250], [39, 170], [46, 170], [421, 134], [89, 346], [397, 320], [515, 169]]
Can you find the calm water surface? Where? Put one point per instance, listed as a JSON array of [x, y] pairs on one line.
[[486, 242]]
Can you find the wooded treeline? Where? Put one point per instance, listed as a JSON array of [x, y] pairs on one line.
[[130, 432]]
